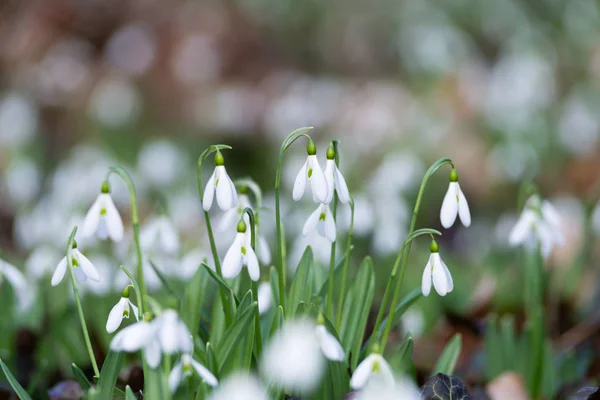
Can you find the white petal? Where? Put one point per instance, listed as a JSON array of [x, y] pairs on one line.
[[330, 231], [115, 317], [209, 192], [169, 332], [92, 218], [300, 183], [114, 224], [185, 341], [330, 346], [59, 273], [449, 209], [134, 337], [426, 280], [520, 231], [318, 184], [252, 264], [204, 373], [449, 280], [545, 237], [385, 371], [86, 266], [311, 222], [228, 220], [152, 353], [329, 167], [264, 297], [225, 196], [168, 236], [264, 253], [440, 280], [135, 311], [550, 214], [149, 233], [341, 187], [25, 294], [175, 377], [234, 197], [362, 373], [232, 263], [463, 207], [79, 275]]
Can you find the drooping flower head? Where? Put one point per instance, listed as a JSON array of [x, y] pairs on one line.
[[437, 271], [330, 346], [221, 184], [120, 311], [103, 218], [240, 386], [160, 233], [21, 289], [322, 219], [455, 203], [373, 369], [82, 267], [335, 179], [311, 172], [185, 368], [241, 253]]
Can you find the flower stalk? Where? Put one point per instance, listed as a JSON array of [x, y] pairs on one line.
[[334, 144], [258, 340]]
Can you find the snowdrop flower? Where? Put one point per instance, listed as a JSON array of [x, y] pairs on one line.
[[322, 219], [82, 267], [335, 179], [240, 387], [264, 251], [119, 311], [264, 297], [293, 357], [401, 389], [330, 346], [160, 233], [18, 282], [231, 216], [373, 368], [103, 218], [185, 367], [539, 223], [311, 171], [454, 204], [220, 183], [41, 261], [437, 270], [239, 254]]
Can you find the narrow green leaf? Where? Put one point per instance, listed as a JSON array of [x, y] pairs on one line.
[[236, 331], [211, 360], [154, 388], [508, 341], [449, 356], [80, 377], [277, 321], [163, 279], [274, 281], [129, 395], [243, 356], [401, 361], [356, 310], [302, 284], [14, 383], [221, 282], [535, 365], [337, 274], [109, 374], [193, 298]]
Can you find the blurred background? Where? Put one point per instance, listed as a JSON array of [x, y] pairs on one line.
[[509, 89]]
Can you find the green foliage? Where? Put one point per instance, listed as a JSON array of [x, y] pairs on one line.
[[14, 383], [109, 374], [447, 360]]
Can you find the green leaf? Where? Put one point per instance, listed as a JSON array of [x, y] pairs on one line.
[[129, 395], [211, 360], [302, 284], [165, 281], [337, 274], [401, 361], [221, 283], [356, 310], [233, 335], [535, 366], [193, 298], [277, 321], [274, 280], [109, 374], [243, 358], [154, 388], [448, 358], [508, 341], [493, 350], [14, 383], [444, 387], [80, 377]]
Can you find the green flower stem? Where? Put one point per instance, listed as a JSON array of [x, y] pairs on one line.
[[405, 250], [291, 138], [211, 237], [401, 257], [86, 335], [165, 376], [345, 268], [332, 256], [258, 339], [136, 233]]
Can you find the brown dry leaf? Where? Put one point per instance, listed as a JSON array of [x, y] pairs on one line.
[[508, 386]]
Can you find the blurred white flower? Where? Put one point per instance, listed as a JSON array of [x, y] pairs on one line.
[[82, 267], [18, 120], [239, 386], [436, 269], [239, 254], [103, 218], [160, 234], [413, 322], [335, 180], [322, 219], [378, 390], [113, 278], [41, 261], [22, 180], [539, 224], [22, 290], [132, 48], [196, 60], [115, 102], [185, 367], [311, 172], [161, 162], [190, 263], [330, 346], [220, 183], [264, 297], [372, 368], [454, 204], [231, 217], [120, 311]]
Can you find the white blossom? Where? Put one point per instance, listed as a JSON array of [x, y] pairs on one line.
[[103, 218], [454, 204], [82, 267], [187, 366], [437, 271], [221, 184], [322, 219], [373, 367]]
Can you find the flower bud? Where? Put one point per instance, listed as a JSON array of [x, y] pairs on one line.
[[74, 245], [148, 316], [433, 247], [321, 319], [311, 148], [453, 175], [243, 189], [125, 292], [219, 159], [330, 152], [105, 187], [241, 226]]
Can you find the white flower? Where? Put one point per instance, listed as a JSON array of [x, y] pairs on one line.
[[165, 334], [160, 233], [374, 367], [311, 171], [539, 223], [264, 251], [322, 219], [233, 215], [336, 180], [454, 204], [190, 263], [20, 286], [103, 218], [436, 269], [330, 346], [220, 183], [401, 389], [293, 357], [264, 297], [185, 368], [239, 254], [240, 387], [82, 267], [41, 261], [119, 311]]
